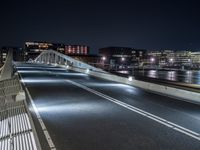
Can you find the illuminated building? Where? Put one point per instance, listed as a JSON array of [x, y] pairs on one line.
[[122, 55], [33, 49], [76, 50]]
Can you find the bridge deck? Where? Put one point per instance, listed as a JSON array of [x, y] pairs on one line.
[[82, 112]]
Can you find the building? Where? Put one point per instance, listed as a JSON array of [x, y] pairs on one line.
[[177, 59], [76, 50], [18, 54], [122, 56], [161, 57], [33, 49]]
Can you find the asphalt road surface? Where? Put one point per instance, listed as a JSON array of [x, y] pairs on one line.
[[81, 112]]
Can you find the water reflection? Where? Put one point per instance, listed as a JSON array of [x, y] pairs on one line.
[[192, 77]]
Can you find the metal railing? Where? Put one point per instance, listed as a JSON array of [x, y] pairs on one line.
[[16, 130], [53, 57], [10, 87]]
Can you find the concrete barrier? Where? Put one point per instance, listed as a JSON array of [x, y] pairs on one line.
[[179, 94], [189, 96]]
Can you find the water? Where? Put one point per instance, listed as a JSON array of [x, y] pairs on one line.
[[191, 77]]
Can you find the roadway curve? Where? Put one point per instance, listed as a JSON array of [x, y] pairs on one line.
[[81, 112]]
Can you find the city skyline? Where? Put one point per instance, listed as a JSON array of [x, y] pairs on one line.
[[143, 24]]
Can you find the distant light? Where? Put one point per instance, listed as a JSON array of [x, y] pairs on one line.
[[189, 60], [103, 58], [171, 59], [152, 59], [67, 66], [87, 70], [123, 58], [130, 78]]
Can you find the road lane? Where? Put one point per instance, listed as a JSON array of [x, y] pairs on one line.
[[78, 119]]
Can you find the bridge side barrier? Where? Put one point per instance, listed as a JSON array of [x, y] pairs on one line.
[[16, 127], [15, 132], [193, 97], [10, 87]]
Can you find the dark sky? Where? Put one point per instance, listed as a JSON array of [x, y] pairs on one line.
[[149, 24]]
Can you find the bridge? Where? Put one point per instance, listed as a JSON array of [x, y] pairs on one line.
[[71, 105]]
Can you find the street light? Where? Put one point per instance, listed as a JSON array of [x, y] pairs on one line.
[[152, 59]]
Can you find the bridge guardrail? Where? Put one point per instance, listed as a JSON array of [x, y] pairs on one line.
[[16, 127], [10, 87], [180, 94], [16, 132]]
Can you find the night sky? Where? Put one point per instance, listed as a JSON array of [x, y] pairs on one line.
[[146, 24]]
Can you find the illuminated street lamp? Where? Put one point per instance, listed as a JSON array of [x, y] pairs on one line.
[[171, 59], [152, 59]]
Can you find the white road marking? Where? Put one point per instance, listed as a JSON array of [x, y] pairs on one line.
[[44, 129], [158, 119]]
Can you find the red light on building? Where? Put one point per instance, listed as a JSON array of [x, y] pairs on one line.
[[76, 50]]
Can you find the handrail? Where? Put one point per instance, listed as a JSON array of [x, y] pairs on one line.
[[16, 129], [50, 55], [10, 87]]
